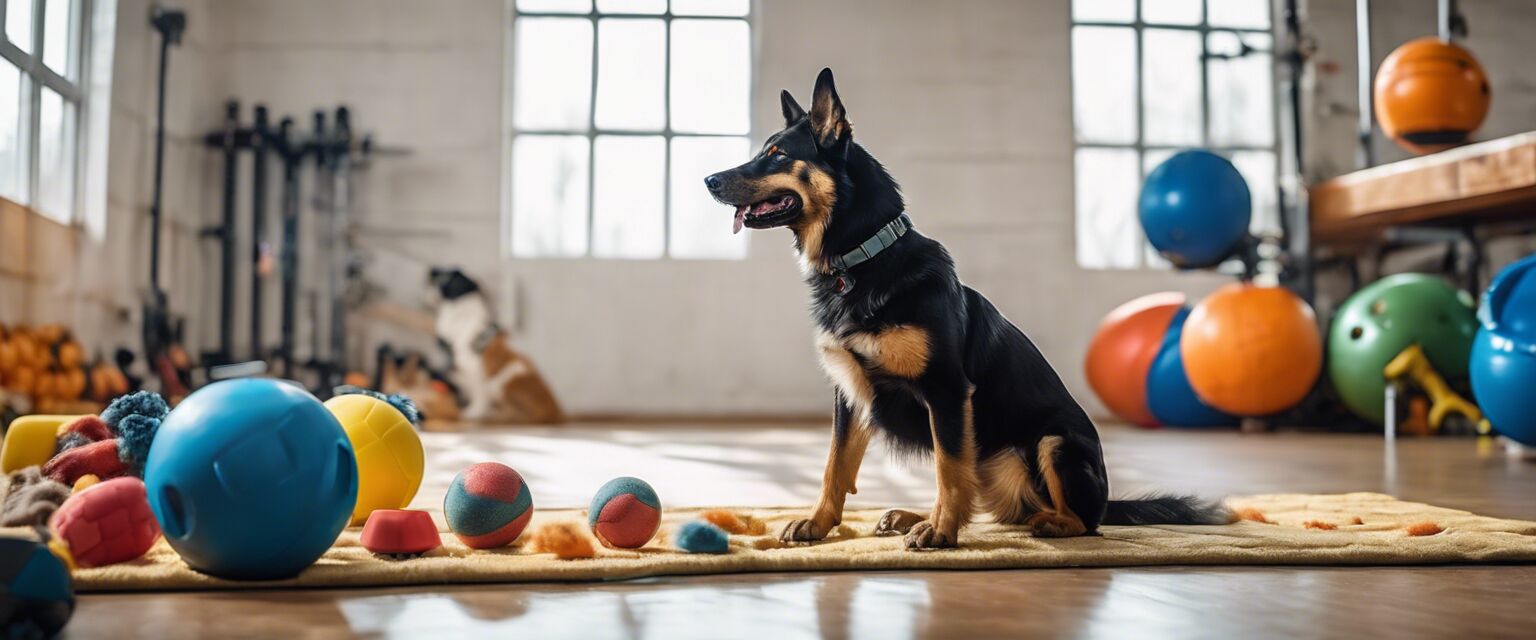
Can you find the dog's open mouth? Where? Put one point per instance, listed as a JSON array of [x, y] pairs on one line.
[[775, 211]]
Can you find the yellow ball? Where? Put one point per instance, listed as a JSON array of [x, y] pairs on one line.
[[389, 454]]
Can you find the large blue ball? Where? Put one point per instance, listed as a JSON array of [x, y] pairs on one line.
[[1195, 209], [251, 479], [1170, 397], [1503, 362]]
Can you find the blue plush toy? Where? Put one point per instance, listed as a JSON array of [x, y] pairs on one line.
[[697, 536], [251, 479]]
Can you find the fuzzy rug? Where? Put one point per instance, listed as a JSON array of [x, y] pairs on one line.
[[1344, 529]]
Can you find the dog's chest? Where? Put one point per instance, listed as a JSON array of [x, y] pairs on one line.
[[854, 359]]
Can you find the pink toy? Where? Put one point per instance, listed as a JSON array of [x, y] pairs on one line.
[[107, 523]]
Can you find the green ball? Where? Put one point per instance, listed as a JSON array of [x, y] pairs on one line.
[[1381, 320]]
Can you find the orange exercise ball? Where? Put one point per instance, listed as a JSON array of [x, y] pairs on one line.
[[1251, 350], [1431, 95], [1122, 351]]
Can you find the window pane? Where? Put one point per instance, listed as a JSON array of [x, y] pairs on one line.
[[1104, 10], [1258, 168], [1242, 92], [631, 55], [18, 23], [1108, 232], [549, 196], [13, 168], [1243, 14], [1104, 84], [701, 227], [710, 7], [554, 73], [56, 156], [656, 7], [1170, 87], [1171, 11], [628, 204], [711, 76], [555, 6], [59, 37]]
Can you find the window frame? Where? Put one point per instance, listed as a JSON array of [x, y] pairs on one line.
[[1149, 258], [35, 76], [592, 132]]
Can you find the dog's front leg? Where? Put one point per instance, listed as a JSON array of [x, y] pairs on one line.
[[850, 439], [954, 456]]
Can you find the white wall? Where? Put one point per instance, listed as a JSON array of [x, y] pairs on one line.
[[968, 102]]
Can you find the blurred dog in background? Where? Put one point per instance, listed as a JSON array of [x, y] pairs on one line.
[[499, 383]]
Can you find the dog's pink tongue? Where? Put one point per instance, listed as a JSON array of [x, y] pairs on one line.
[[741, 217]]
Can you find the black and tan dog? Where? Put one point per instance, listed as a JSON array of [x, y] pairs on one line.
[[918, 356]]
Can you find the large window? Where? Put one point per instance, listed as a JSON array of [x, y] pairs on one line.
[[40, 104], [619, 110], [1152, 77]]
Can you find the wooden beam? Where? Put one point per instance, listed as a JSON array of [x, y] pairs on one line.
[[1475, 183]]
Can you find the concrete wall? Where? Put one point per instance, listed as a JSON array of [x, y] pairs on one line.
[[968, 103]]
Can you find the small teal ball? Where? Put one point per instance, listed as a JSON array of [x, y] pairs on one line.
[[625, 513], [488, 505]]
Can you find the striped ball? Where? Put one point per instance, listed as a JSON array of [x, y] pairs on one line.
[[488, 505], [625, 513]]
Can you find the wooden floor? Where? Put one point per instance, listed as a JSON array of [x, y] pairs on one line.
[[1470, 601]]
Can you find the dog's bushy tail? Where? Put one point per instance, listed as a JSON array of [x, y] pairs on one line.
[[1163, 509]]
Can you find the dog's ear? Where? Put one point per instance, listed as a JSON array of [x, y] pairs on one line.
[[453, 284], [792, 111], [829, 121]]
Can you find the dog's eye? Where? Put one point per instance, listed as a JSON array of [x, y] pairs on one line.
[[775, 151]]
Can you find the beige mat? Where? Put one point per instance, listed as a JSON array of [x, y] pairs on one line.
[[1381, 539]]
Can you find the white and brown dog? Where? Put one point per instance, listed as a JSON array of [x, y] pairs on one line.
[[499, 383]]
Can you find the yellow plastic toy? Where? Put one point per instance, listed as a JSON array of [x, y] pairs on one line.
[[1413, 365], [31, 441], [390, 459]]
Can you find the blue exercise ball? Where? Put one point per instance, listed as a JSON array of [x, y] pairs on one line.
[[1169, 395], [251, 479], [1503, 364], [1195, 208]]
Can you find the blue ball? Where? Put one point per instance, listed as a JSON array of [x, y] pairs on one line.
[[36, 595], [1169, 395], [696, 536], [1195, 209], [1503, 362], [251, 479]]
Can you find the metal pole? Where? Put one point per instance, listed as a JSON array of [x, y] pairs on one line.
[[1365, 155], [293, 157], [260, 136], [1447, 9], [341, 204], [170, 23]]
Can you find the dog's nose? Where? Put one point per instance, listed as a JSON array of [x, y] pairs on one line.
[[713, 183]]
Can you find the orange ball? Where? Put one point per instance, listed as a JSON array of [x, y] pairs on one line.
[[1122, 351], [1250, 350], [1431, 95]]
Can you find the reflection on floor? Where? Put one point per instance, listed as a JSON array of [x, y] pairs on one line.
[[769, 465]]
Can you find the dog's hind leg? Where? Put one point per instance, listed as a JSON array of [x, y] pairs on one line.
[[1008, 487], [1071, 487], [850, 439]]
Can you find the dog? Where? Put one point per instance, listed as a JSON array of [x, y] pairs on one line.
[[919, 357], [499, 383]]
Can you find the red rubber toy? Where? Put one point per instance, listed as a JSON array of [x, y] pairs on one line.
[[400, 533], [107, 523]]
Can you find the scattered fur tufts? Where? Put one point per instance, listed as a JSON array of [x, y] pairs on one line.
[[1423, 529], [30, 498], [1320, 525], [564, 539], [735, 523], [1252, 515], [697, 536]]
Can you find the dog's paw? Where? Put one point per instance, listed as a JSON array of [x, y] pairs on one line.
[[896, 523], [924, 535], [806, 530], [1047, 524]]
